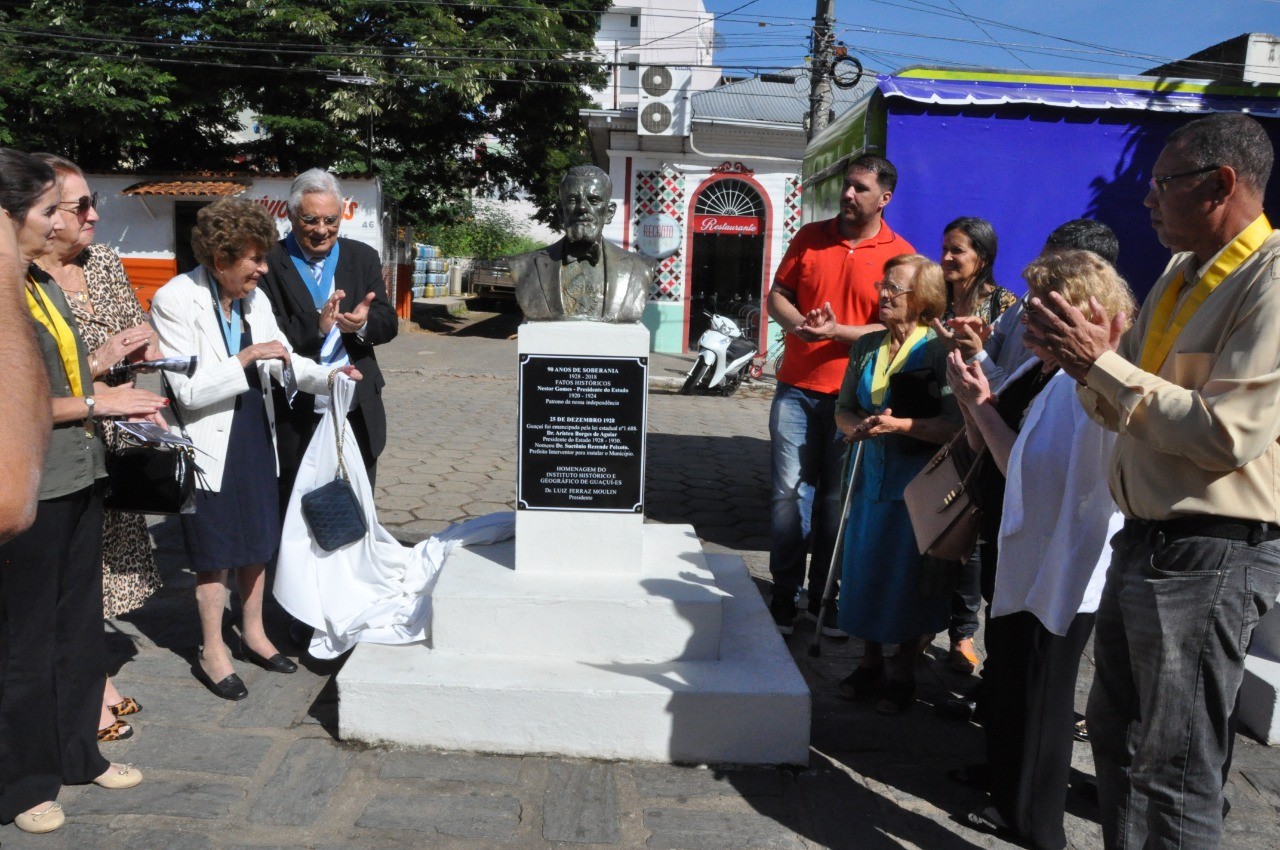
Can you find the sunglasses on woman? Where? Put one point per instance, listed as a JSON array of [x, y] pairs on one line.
[[82, 205]]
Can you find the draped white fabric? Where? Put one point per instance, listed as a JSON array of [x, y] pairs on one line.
[[375, 589]]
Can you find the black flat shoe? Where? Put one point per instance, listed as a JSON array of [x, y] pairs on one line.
[[989, 821], [276, 663], [230, 688]]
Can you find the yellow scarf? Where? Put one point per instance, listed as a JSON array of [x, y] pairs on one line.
[[884, 369], [43, 311], [1165, 326]]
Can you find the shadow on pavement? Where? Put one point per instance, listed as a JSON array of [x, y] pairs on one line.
[[719, 485]]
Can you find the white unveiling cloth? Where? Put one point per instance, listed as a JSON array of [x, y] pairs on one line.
[[1058, 512], [375, 589]]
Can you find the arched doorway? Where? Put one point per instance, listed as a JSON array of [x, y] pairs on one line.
[[728, 239]]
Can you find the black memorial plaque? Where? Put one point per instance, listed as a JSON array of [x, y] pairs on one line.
[[582, 429]]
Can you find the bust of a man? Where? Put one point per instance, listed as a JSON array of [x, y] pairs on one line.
[[583, 277]]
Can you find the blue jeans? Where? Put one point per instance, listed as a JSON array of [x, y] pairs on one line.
[[808, 459], [1172, 631]]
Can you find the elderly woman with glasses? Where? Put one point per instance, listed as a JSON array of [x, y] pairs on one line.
[[110, 322], [218, 313], [895, 408], [1047, 508]]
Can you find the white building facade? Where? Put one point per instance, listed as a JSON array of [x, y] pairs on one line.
[[666, 32], [717, 207]]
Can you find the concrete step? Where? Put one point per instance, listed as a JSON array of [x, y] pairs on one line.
[[749, 707], [670, 611]]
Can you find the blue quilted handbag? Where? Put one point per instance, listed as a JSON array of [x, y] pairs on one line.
[[332, 512]]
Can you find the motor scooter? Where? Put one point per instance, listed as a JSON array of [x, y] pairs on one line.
[[725, 358]]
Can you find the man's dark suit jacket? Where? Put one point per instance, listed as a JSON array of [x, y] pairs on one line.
[[537, 277], [359, 272]]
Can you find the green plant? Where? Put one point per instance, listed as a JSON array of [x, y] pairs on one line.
[[484, 232]]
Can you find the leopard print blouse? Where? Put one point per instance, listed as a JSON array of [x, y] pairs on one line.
[[129, 574]]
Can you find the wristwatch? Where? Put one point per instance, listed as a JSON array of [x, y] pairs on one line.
[[88, 415]]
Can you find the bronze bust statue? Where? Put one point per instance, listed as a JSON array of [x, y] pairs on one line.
[[583, 277]]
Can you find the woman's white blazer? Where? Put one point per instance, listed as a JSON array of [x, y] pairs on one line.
[[182, 313]]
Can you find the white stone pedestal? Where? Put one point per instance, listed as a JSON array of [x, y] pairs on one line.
[[573, 541], [1260, 690], [594, 634]]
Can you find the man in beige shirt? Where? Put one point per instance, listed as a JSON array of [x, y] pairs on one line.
[[1193, 391]]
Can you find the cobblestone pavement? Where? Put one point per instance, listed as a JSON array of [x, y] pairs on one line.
[[269, 772]]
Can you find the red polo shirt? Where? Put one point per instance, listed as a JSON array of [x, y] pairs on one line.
[[820, 265]]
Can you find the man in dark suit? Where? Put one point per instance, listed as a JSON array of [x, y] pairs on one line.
[[329, 299], [583, 276]]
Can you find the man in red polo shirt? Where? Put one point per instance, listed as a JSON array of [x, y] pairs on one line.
[[824, 298]]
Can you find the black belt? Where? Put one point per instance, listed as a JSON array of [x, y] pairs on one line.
[[1250, 531]]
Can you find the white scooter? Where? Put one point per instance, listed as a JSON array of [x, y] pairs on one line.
[[724, 358]]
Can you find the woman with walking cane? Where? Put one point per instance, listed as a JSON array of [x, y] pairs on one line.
[[896, 403]]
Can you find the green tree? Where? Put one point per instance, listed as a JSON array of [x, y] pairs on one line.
[[413, 86]]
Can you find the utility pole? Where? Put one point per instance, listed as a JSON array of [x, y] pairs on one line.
[[823, 52]]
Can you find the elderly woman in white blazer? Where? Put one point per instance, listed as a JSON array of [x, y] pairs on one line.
[[217, 313]]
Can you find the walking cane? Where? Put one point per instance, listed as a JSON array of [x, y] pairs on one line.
[[815, 648]]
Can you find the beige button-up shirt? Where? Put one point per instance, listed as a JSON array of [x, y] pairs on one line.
[[1200, 436]]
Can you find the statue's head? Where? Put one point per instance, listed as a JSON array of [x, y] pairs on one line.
[[585, 205]]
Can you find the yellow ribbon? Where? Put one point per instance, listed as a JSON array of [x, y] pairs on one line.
[[884, 369], [1165, 326], [43, 311]]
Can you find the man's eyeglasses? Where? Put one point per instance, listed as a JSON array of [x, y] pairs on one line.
[[892, 288], [82, 205], [1157, 183], [313, 220]]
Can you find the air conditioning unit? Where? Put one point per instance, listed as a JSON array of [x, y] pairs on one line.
[[664, 101]]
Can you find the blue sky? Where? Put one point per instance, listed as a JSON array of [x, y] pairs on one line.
[[1097, 36]]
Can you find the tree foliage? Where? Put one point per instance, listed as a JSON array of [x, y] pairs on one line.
[[416, 87]]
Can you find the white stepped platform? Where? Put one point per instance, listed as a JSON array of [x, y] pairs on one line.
[[670, 611], [1259, 701], [751, 706]]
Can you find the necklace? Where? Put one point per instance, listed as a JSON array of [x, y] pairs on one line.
[[68, 273]]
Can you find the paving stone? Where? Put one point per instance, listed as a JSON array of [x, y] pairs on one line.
[[183, 748], [1266, 782], [77, 834], [275, 700], [302, 786], [690, 829], [475, 815], [176, 838], [185, 703], [672, 781], [185, 798], [450, 767], [581, 804]]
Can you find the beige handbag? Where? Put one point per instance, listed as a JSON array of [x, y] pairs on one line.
[[944, 511]]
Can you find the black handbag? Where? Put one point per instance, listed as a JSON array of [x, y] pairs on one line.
[[151, 478], [146, 479], [332, 512]]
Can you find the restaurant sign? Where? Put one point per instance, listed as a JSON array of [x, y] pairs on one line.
[[727, 225]]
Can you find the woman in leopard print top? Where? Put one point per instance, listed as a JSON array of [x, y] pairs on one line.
[[110, 321]]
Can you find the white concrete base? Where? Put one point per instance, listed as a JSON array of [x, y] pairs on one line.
[[1260, 698], [749, 707], [1260, 690], [671, 611], [573, 541], [551, 542]]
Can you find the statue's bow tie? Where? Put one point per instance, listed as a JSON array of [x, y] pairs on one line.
[[589, 252]]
